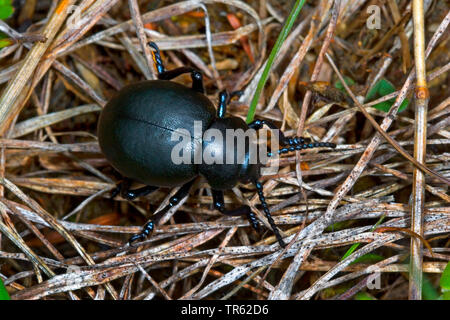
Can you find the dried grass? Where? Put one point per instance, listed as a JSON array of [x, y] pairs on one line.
[[62, 237]]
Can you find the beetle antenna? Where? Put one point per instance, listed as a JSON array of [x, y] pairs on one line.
[[262, 199], [302, 145]]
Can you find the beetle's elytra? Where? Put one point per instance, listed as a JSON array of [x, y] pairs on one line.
[[135, 130], [137, 140]]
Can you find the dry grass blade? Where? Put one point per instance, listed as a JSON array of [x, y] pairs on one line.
[[40, 122], [54, 223], [8, 106], [22, 245], [421, 98], [368, 248], [319, 62], [139, 26], [380, 130]]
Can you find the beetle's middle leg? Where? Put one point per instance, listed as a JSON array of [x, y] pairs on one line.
[[262, 199], [245, 210], [174, 200], [123, 188], [219, 204], [196, 75]]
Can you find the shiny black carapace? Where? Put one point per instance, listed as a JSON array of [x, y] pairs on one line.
[[135, 134]]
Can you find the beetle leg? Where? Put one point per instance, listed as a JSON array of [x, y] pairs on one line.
[[196, 76], [133, 194], [146, 230], [291, 144], [262, 199], [173, 201], [123, 188], [120, 187], [157, 58], [219, 204]]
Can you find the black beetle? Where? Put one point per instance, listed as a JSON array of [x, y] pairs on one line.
[[135, 129]]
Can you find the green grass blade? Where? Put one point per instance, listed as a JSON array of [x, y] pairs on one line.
[[356, 245], [363, 296], [445, 278], [351, 250], [6, 9], [281, 38], [429, 292], [445, 283], [3, 293]]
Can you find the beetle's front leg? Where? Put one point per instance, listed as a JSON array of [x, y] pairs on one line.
[[196, 76]]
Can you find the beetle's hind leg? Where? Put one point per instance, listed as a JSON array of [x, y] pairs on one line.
[[123, 188], [196, 75], [173, 201]]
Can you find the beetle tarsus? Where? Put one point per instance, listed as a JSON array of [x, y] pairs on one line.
[[134, 238], [115, 192], [251, 216], [122, 187], [196, 75], [157, 57], [237, 93]]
